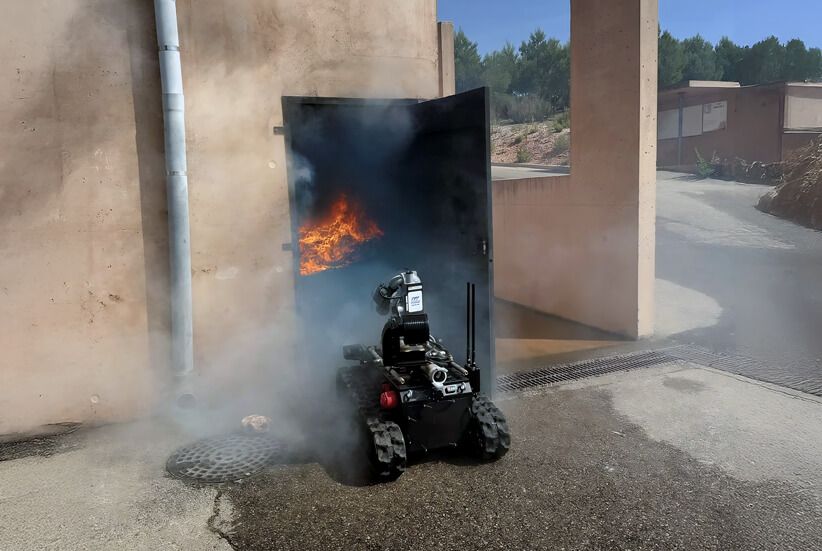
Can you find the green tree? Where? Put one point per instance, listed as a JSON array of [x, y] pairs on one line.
[[468, 67], [729, 57], [801, 63], [544, 70], [530, 83], [763, 62], [671, 60], [499, 68], [700, 60], [814, 65]]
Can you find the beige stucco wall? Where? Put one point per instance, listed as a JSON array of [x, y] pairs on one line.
[[83, 277], [80, 178], [237, 64], [803, 107], [582, 246]]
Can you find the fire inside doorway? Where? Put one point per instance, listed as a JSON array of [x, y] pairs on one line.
[[380, 186]]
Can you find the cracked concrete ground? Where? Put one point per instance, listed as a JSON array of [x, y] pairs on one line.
[[677, 457], [104, 489]]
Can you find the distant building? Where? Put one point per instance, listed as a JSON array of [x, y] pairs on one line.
[[756, 123]]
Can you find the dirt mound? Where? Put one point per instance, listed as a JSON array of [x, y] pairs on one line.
[[799, 196], [536, 143]]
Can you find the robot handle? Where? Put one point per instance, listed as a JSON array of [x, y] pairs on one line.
[[386, 292]]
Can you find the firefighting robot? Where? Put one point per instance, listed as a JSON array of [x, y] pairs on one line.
[[410, 396]]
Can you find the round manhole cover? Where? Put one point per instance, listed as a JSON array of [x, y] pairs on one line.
[[223, 458]]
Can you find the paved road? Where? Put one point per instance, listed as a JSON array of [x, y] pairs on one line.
[[652, 459], [657, 458], [735, 280], [510, 172], [764, 273]]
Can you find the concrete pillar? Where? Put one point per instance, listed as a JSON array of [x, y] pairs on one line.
[[613, 156], [448, 82]]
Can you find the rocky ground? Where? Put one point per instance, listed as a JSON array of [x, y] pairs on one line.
[[534, 143], [799, 196]]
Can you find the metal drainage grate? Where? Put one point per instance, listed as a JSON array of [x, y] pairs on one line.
[[580, 370], [225, 458], [802, 377]]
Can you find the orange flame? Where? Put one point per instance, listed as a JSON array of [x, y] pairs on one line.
[[332, 240]]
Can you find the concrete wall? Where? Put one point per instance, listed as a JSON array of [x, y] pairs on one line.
[[448, 76], [753, 131], [237, 64], [83, 282], [765, 123], [803, 117], [803, 107], [582, 246], [82, 224]]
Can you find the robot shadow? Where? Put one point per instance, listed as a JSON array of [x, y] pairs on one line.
[[351, 469]]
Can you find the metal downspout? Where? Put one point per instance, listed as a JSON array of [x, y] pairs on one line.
[[171, 76]]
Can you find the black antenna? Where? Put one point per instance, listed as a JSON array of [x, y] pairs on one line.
[[467, 323], [470, 325], [473, 325]]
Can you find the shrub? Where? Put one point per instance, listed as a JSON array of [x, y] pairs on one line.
[[518, 139], [704, 167], [562, 143], [519, 108], [562, 121], [523, 155], [530, 109]]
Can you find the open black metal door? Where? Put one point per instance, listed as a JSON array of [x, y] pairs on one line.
[[416, 175]]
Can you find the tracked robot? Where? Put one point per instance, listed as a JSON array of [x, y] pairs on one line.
[[410, 396]]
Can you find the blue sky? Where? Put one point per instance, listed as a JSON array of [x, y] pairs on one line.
[[491, 22]]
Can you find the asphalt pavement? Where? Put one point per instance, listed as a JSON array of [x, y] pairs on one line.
[[763, 273], [670, 457], [615, 462], [733, 280]]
